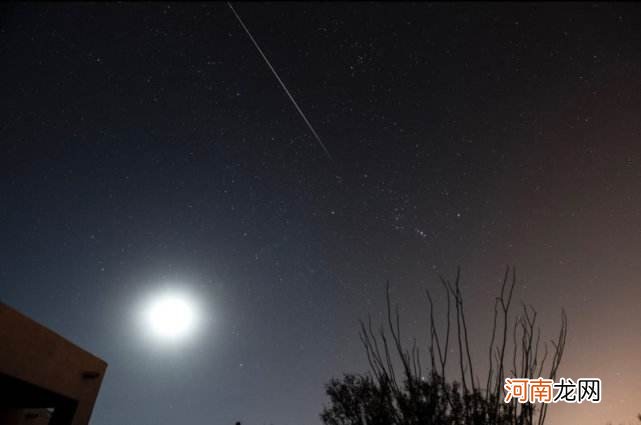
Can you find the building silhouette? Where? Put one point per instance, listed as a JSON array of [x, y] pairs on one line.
[[44, 379]]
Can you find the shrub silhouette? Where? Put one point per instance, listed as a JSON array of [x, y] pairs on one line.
[[396, 391]]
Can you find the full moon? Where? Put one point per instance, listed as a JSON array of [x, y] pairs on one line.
[[171, 316]]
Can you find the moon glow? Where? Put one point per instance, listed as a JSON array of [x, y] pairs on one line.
[[171, 316]]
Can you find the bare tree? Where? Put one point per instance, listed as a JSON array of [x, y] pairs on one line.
[[408, 396]]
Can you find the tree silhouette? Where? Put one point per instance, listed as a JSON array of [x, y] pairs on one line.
[[397, 390]]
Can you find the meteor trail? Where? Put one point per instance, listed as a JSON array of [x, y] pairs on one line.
[[300, 111]]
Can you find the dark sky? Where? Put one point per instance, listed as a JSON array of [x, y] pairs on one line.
[[148, 145]]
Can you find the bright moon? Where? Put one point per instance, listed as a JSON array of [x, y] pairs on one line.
[[171, 316]]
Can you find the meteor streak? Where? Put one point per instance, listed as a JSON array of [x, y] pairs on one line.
[[282, 84]]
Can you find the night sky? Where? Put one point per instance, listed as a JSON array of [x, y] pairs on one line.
[[148, 146]]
